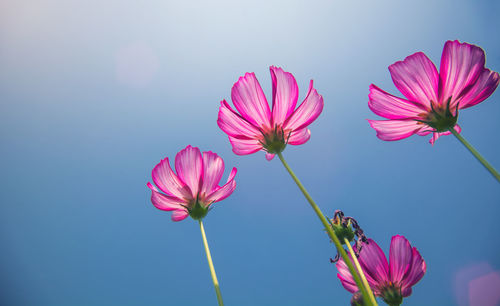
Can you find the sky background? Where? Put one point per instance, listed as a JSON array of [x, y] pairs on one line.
[[94, 94]]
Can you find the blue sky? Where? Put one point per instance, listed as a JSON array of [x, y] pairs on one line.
[[93, 94]]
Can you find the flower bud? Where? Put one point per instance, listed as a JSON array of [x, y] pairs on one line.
[[342, 227], [343, 231]]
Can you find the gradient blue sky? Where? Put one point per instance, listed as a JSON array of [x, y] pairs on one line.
[[93, 94]]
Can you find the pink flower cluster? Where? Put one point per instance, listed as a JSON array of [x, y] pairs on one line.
[[431, 103]]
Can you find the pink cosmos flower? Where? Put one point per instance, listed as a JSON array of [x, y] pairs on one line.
[[195, 187], [391, 281], [432, 100], [254, 126]]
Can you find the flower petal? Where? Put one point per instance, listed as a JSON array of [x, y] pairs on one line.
[[482, 89], [189, 167], [347, 280], [250, 101], [391, 130], [164, 202], [269, 156], [374, 264], [406, 291], [307, 112], [348, 285], [233, 124], [168, 182], [345, 276], [299, 137], [213, 168], [415, 273], [391, 107], [436, 135], [425, 131], [224, 191], [417, 78], [285, 94], [400, 257], [179, 215], [461, 66], [245, 146]]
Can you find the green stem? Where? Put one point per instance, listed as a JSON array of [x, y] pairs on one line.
[[474, 152], [211, 265], [330, 232], [360, 271]]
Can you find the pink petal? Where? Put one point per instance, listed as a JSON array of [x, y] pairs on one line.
[[415, 272], [249, 100], [245, 146], [269, 156], [348, 285], [224, 191], [233, 124], [213, 168], [348, 281], [299, 137], [390, 130], [426, 130], [482, 89], [345, 276], [189, 167], [164, 202], [417, 78], [179, 215], [406, 291], [285, 95], [307, 112], [168, 182], [391, 107], [461, 66], [374, 264], [400, 257], [436, 135]]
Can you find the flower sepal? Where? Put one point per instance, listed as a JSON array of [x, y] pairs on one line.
[[275, 141], [441, 119], [198, 211], [391, 294]]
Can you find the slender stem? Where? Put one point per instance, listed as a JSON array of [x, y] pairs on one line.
[[474, 152], [330, 232], [358, 266], [211, 265]]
